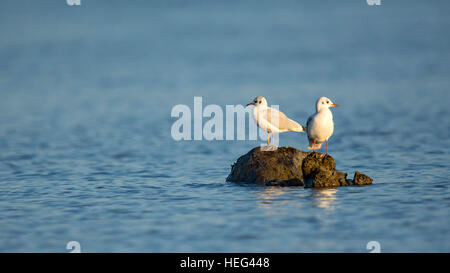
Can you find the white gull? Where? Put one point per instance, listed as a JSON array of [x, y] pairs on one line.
[[320, 126], [271, 120]]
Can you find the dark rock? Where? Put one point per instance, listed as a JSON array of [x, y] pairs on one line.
[[287, 166], [269, 167], [285, 183], [361, 179], [319, 171]]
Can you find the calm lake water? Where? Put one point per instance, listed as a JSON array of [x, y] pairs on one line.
[[86, 152]]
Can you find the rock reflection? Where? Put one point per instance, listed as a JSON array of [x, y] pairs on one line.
[[324, 198], [270, 197]]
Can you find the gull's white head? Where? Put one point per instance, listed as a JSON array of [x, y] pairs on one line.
[[323, 103], [260, 100]]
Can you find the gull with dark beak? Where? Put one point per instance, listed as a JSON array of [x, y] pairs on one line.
[[271, 120], [320, 126]]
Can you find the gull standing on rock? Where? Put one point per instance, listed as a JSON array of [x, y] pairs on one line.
[[271, 120], [320, 126]]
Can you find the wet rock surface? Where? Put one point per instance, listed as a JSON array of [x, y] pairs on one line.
[[287, 166], [320, 171], [361, 179], [278, 167]]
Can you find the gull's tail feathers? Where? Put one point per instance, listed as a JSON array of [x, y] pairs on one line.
[[294, 126]]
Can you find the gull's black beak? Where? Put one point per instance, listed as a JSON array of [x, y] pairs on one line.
[[251, 103]]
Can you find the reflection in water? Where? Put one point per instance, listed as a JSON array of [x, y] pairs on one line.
[[321, 198], [324, 198], [271, 192], [269, 197]]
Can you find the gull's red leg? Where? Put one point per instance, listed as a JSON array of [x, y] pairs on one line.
[[268, 138], [314, 147], [327, 148]]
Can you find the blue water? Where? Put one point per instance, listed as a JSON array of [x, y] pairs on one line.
[[86, 152]]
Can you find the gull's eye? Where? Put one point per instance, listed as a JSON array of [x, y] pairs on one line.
[[323, 102], [328, 101]]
